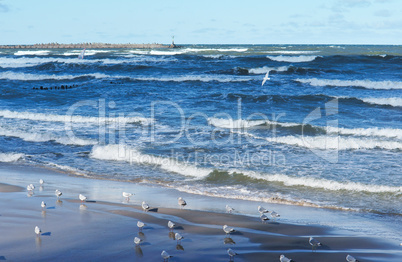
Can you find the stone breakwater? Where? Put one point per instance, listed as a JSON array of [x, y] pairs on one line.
[[86, 45]]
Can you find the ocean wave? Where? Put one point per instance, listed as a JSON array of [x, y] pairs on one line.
[[10, 157], [37, 52], [391, 101], [130, 155], [321, 183], [291, 52], [34, 77], [330, 142], [88, 52], [200, 78], [265, 69], [31, 136], [368, 84], [72, 119], [293, 59], [158, 52], [240, 123]]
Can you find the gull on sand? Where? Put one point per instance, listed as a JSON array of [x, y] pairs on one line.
[[145, 206], [349, 258], [58, 193], [137, 241], [178, 237], [82, 197], [263, 217], [43, 205], [182, 202], [229, 209], [140, 225], [274, 214], [37, 230], [165, 255], [262, 210], [228, 229], [282, 258], [127, 195], [314, 243], [30, 187], [231, 253], [171, 225], [41, 182]]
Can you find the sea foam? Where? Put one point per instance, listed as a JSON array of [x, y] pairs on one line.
[[293, 59], [368, 84], [10, 157]]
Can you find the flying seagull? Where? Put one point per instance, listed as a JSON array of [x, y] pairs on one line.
[[266, 77]]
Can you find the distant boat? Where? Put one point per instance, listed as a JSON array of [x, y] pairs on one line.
[[81, 56]]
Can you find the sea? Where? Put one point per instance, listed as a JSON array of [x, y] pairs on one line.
[[324, 130]]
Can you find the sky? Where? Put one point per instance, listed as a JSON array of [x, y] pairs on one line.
[[202, 22]]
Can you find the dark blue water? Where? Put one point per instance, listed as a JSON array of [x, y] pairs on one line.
[[324, 131]]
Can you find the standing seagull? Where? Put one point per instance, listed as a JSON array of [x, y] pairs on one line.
[[145, 206], [43, 205], [140, 225], [229, 209], [137, 241], [30, 187], [82, 197], [263, 218], [41, 182], [178, 237], [171, 225], [182, 202], [314, 243], [274, 215], [282, 258], [349, 258], [165, 255], [37, 231], [231, 254], [127, 195], [58, 193], [228, 229], [262, 210], [266, 77]]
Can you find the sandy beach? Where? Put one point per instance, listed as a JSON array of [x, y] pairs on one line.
[[103, 227]]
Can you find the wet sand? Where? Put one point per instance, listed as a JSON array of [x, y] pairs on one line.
[[99, 230]]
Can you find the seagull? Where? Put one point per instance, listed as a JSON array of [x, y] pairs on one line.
[[30, 187], [266, 77], [82, 197], [274, 214], [37, 230], [228, 229], [263, 218], [43, 205], [58, 193], [262, 210], [140, 225], [349, 258], [178, 237], [182, 202], [314, 243], [231, 253], [41, 182], [127, 195], [137, 241], [145, 206], [282, 258], [171, 225], [229, 209], [165, 255]]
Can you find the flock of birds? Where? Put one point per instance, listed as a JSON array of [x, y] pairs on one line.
[[171, 225]]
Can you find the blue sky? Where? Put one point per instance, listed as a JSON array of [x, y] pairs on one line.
[[202, 22]]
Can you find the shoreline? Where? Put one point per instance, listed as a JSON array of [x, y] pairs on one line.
[[103, 227]]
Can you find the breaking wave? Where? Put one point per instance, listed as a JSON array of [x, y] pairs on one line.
[[38, 52], [10, 157], [71, 119], [128, 154], [391, 101], [34, 77], [293, 59], [200, 78], [265, 69], [368, 84], [44, 137]]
